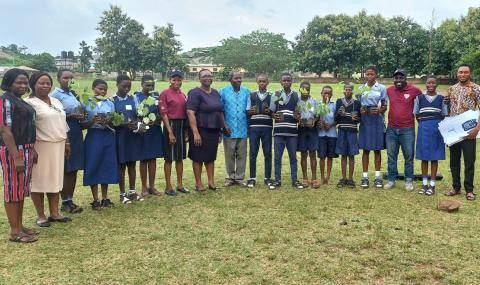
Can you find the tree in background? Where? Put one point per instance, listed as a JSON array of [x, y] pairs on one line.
[[85, 56], [160, 53], [44, 62], [120, 43], [259, 51]]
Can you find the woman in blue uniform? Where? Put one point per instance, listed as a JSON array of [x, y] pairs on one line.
[[373, 99], [152, 139], [429, 109], [75, 117], [128, 142], [101, 165]]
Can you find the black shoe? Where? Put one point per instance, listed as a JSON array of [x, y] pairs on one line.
[[267, 181], [423, 190], [70, 207], [106, 203], [341, 183], [213, 188], [171, 192], [96, 206], [350, 183], [274, 185], [430, 191], [183, 190], [298, 185], [133, 196], [378, 183], [364, 183], [251, 183]]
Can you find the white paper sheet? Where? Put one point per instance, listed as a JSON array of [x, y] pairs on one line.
[[455, 129]]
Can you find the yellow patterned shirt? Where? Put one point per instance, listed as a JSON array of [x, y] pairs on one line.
[[464, 98]]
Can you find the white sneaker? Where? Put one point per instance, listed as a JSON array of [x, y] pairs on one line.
[[389, 185], [409, 185]]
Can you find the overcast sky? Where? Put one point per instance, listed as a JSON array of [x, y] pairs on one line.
[[56, 25]]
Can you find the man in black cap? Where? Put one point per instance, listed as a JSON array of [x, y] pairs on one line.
[[401, 127]]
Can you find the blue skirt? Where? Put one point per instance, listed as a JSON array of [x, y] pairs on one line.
[[75, 136], [152, 143], [347, 143], [371, 132], [101, 165], [129, 145], [430, 145]]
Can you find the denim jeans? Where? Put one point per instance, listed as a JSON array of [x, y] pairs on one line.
[[404, 138], [280, 143], [265, 136]]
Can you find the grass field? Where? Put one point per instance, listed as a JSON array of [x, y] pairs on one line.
[[240, 236]]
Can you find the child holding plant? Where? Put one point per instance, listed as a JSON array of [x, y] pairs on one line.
[[373, 98], [129, 140], [152, 139], [347, 116], [260, 129], [307, 134], [285, 132], [101, 165], [327, 135], [429, 109]]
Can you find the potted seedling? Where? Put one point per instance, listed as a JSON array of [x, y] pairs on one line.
[[304, 108], [278, 100], [146, 117]]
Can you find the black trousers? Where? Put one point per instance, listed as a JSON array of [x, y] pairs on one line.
[[468, 147]]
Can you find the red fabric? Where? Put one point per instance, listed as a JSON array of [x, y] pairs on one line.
[[400, 114], [172, 104]]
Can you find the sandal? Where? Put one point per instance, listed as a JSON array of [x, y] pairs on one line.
[[30, 232], [213, 188], [470, 196], [23, 238], [63, 219], [315, 184], [305, 183], [183, 190], [154, 191], [42, 224], [452, 192]]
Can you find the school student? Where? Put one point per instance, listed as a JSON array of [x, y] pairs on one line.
[[260, 130], [373, 98], [128, 142], [307, 134], [347, 116], [285, 132], [152, 139], [429, 109], [101, 165], [327, 136]]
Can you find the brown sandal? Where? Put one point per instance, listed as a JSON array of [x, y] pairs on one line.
[[315, 184], [30, 232], [452, 192], [305, 183], [23, 238], [470, 196]]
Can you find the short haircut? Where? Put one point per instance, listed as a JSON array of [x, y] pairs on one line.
[[97, 82], [348, 85], [327, 87], [147, 77], [305, 82], [261, 75], [232, 73], [372, 67], [286, 74], [431, 77], [61, 71], [122, 77], [202, 70], [34, 78], [465, 65], [10, 76]]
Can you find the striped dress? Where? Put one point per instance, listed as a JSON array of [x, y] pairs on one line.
[[19, 116]]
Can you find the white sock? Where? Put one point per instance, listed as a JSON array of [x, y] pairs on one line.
[[424, 181], [432, 183], [365, 175], [377, 174]]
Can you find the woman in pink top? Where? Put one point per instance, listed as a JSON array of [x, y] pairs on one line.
[[172, 108]]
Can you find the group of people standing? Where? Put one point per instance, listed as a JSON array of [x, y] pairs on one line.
[[42, 146]]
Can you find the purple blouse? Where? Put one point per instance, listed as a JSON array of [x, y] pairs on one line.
[[208, 108]]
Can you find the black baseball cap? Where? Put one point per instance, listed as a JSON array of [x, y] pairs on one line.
[[174, 73], [400, 71]]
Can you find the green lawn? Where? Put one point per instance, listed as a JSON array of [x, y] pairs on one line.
[[245, 236]]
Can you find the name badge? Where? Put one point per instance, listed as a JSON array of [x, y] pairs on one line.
[[128, 107], [156, 102]]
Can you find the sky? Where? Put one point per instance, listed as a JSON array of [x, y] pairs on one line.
[[56, 25]]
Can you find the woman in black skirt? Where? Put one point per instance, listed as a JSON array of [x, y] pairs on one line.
[[205, 115], [174, 114]]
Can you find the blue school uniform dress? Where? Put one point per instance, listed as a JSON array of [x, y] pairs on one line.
[[101, 165], [75, 135], [307, 137], [430, 110], [129, 144], [347, 141], [372, 127], [327, 140], [153, 139]]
